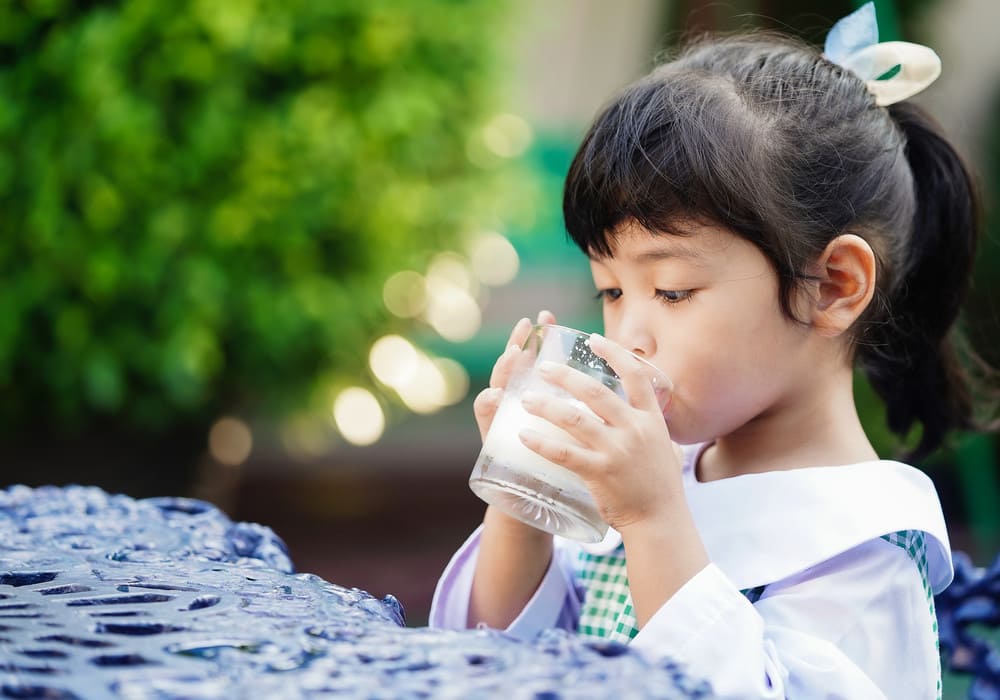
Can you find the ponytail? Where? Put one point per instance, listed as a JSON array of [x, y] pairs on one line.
[[911, 361]]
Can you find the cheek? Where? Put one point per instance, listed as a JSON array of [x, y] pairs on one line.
[[723, 381], [709, 396], [715, 407]]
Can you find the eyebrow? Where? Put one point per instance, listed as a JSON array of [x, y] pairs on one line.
[[655, 255]]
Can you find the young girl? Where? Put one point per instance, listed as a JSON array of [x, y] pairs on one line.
[[758, 222]]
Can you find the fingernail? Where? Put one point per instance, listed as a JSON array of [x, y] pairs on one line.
[[596, 338], [493, 394], [541, 314], [529, 399], [547, 367]]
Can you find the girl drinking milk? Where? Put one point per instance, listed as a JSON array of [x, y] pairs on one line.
[[760, 219]]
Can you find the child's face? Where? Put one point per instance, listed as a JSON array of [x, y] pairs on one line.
[[704, 308]]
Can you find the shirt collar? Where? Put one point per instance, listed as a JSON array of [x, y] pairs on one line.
[[779, 523]]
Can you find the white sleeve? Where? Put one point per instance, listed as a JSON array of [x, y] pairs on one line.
[[555, 603], [857, 626]]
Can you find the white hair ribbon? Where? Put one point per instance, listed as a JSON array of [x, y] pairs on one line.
[[892, 70]]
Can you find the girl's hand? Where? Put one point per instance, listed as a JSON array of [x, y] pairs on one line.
[[625, 455], [513, 556], [486, 403]]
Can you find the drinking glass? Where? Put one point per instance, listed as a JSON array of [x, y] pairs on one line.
[[521, 482]]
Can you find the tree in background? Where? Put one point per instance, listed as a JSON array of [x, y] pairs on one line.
[[200, 200]]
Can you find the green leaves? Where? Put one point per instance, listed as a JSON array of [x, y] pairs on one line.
[[200, 201]]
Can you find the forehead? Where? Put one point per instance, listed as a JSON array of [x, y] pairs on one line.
[[689, 242]]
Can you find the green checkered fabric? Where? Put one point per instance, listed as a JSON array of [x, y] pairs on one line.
[[912, 542], [607, 611], [607, 605]]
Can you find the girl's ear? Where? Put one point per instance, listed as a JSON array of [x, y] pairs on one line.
[[845, 284]]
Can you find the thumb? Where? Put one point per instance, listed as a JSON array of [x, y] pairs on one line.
[[485, 408]]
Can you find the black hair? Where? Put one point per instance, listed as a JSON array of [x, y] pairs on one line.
[[765, 136]]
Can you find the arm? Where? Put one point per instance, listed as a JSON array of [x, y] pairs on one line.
[[555, 602], [513, 557], [653, 577], [857, 626]]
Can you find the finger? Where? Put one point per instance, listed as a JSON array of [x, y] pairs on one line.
[[505, 363], [572, 417], [545, 316], [575, 458], [637, 377], [604, 402], [520, 332], [503, 367], [484, 408]]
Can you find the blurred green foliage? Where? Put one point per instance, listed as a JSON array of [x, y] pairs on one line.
[[201, 199]]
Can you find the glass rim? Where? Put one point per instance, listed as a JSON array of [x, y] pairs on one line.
[[578, 332]]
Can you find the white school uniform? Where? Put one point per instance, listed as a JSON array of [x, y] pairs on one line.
[[820, 585]]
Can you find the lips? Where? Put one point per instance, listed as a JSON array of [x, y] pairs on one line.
[[667, 407]]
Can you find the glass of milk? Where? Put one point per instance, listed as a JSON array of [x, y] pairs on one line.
[[524, 484]]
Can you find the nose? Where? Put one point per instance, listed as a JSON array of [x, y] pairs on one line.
[[634, 333]]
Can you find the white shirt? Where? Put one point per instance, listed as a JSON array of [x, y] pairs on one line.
[[845, 613]]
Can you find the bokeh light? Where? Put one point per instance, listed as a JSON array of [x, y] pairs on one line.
[[393, 360], [230, 441], [454, 268], [493, 257], [427, 391], [456, 379], [452, 311], [405, 294], [358, 415], [423, 384], [507, 135], [503, 137], [306, 437]]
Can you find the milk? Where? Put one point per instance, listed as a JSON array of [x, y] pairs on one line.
[[519, 482], [527, 486], [503, 444]]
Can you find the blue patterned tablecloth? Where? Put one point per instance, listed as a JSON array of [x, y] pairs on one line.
[[104, 596]]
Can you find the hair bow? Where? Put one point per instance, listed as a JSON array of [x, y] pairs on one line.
[[892, 70]]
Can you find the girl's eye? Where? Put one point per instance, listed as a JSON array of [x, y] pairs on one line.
[[610, 294], [674, 296]]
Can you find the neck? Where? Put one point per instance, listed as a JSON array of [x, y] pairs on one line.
[[773, 440]]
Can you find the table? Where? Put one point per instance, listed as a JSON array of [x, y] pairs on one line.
[[105, 596]]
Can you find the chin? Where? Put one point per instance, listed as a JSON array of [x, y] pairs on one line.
[[677, 432], [683, 433]]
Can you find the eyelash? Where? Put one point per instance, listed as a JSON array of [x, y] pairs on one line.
[[667, 296], [684, 295], [610, 294]]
